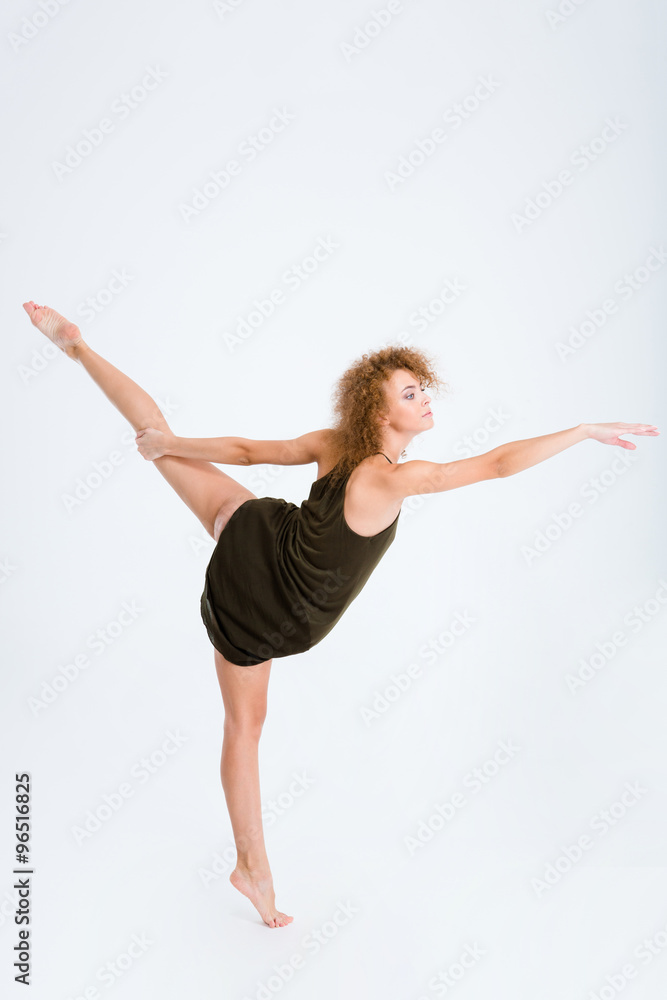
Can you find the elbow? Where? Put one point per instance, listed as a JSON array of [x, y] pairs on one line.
[[501, 469], [242, 452]]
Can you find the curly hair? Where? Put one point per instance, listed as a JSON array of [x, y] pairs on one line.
[[359, 400]]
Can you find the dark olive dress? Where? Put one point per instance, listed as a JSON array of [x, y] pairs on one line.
[[281, 576]]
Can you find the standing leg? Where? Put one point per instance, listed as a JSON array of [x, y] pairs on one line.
[[210, 494], [244, 692]]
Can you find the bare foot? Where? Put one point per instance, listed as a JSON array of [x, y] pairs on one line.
[[260, 893], [64, 334]]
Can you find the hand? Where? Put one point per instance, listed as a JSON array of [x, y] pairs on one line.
[[609, 433], [152, 443]]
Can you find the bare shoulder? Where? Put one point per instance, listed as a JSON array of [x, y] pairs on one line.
[[321, 444], [370, 505], [376, 490], [418, 477], [324, 449]]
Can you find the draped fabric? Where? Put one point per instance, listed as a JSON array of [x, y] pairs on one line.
[[281, 576]]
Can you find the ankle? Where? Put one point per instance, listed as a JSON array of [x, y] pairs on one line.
[[253, 869], [74, 351]]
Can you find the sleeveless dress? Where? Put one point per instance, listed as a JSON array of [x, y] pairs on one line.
[[281, 576]]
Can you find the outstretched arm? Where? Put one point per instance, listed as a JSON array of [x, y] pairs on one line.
[[515, 456], [419, 477]]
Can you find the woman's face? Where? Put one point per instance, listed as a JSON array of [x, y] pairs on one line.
[[408, 405]]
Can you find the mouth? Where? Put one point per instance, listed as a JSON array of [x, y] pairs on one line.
[[429, 414]]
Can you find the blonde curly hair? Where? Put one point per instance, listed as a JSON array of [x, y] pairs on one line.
[[359, 399]]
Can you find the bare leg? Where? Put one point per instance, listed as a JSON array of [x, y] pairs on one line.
[[244, 691], [210, 494]]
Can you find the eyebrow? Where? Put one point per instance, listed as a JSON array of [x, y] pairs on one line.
[[408, 387]]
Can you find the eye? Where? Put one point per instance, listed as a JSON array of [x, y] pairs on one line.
[[409, 395]]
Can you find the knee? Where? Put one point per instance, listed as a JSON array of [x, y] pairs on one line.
[[244, 726]]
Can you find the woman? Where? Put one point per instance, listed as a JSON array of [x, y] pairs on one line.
[[281, 576]]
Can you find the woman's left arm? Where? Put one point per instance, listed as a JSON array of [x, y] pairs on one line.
[[515, 456]]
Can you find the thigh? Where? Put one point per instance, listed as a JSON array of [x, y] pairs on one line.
[[244, 690], [209, 492]]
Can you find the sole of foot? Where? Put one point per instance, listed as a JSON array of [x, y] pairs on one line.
[[60, 331]]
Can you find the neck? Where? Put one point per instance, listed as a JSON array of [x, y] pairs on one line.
[[391, 451], [393, 443]]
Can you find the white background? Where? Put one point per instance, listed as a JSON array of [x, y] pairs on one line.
[[361, 98]]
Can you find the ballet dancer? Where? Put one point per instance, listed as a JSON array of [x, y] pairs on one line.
[[281, 576]]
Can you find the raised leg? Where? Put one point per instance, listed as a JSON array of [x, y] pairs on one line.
[[210, 494], [244, 691]]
